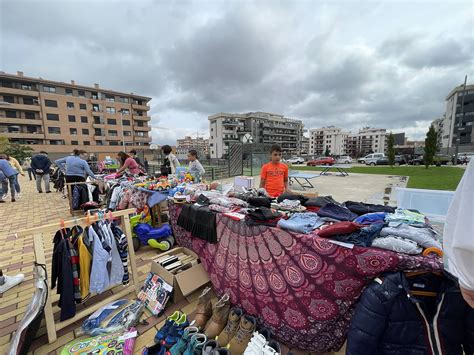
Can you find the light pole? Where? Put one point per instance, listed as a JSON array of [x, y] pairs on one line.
[[458, 136], [121, 125]]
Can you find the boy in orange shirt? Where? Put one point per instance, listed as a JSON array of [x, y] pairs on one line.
[[274, 175]]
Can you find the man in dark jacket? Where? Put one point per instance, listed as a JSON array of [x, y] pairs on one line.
[[391, 318], [41, 165]]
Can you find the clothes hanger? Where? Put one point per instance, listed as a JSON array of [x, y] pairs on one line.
[[412, 274]]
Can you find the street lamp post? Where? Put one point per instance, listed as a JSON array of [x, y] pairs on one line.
[[461, 119]]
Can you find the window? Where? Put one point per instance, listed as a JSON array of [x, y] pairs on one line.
[[84, 119], [10, 114], [113, 143], [70, 105], [52, 117], [212, 129], [81, 93], [113, 133], [86, 143], [125, 111], [9, 99], [68, 92], [54, 130], [126, 122], [56, 142], [26, 86], [28, 101], [83, 106], [99, 143], [71, 118], [111, 121], [74, 143], [139, 134], [124, 99], [127, 133], [97, 132], [49, 88], [110, 109], [110, 98], [51, 103], [73, 131], [85, 131], [98, 120], [30, 115], [140, 124], [96, 108]]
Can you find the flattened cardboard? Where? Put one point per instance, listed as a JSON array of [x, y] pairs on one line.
[[184, 283]]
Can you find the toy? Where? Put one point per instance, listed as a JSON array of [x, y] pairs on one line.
[[159, 238]]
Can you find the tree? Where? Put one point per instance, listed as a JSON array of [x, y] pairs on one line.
[[18, 151], [327, 152], [430, 146], [391, 150]]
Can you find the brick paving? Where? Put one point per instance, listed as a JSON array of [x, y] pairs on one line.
[[16, 256]]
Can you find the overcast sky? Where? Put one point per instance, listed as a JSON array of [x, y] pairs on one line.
[[343, 63]]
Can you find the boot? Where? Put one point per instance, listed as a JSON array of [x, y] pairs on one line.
[[204, 309], [231, 328], [242, 338], [219, 317], [209, 347]]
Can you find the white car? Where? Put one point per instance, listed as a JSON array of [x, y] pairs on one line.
[[344, 159], [295, 160], [371, 156]]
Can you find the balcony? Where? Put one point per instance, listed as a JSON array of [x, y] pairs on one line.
[[33, 93], [230, 123], [23, 135], [140, 107], [141, 118], [113, 138], [142, 139], [21, 121], [99, 125], [36, 108], [141, 128]]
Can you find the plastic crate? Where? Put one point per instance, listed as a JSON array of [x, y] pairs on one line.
[[432, 203]]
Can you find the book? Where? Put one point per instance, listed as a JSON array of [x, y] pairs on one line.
[[155, 293]]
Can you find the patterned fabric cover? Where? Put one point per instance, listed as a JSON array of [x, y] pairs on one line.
[[301, 286]]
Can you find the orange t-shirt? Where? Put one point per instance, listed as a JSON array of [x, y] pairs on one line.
[[275, 176]]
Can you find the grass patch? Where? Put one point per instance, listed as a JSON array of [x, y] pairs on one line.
[[434, 178]]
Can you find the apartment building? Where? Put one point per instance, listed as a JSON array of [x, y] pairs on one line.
[[367, 140], [457, 125], [57, 117], [262, 127], [332, 139], [200, 144]]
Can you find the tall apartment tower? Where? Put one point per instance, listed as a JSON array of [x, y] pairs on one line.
[[263, 127], [57, 117]]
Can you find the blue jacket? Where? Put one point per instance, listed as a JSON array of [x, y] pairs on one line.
[[6, 168], [389, 322], [41, 162], [75, 166]]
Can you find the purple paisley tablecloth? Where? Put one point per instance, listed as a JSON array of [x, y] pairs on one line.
[[301, 286]]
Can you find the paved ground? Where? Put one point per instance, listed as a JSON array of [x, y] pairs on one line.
[[33, 209]]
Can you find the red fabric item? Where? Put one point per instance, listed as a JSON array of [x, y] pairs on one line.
[[344, 227], [313, 208]]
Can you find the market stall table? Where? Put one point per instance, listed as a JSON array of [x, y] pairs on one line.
[[303, 287], [341, 168]]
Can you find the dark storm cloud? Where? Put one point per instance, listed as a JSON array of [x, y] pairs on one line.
[[347, 64]]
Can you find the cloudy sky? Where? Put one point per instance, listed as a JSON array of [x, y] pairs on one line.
[[344, 63]]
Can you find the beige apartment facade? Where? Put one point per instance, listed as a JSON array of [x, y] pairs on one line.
[[57, 117]]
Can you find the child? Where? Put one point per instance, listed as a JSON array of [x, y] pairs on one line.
[[195, 167], [274, 175]]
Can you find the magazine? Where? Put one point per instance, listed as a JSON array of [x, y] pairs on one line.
[[154, 293]]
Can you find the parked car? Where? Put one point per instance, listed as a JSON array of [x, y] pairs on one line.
[[344, 159], [321, 161], [438, 160], [399, 160], [295, 160], [370, 156]]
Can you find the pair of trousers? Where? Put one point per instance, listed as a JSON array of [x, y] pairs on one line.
[[44, 177], [31, 172], [13, 180], [74, 178]]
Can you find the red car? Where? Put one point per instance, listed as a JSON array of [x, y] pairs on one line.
[[321, 161]]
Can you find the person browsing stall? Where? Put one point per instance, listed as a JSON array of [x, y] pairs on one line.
[[170, 162], [274, 175], [195, 167], [75, 166], [127, 163]]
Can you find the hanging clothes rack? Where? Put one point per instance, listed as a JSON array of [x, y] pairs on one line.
[[40, 233]]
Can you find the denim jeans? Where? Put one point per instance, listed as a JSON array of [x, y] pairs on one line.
[[44, 177], [31, 172], [13, 181], [301, 222]]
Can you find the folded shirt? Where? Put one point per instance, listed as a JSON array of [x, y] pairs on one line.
[[369, 218], [290, 196], [361, 208], [338, 212], [422, 236], [320, 201], [397, 244]]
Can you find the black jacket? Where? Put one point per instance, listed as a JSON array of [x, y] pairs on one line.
[[389, 322], [41, 162]]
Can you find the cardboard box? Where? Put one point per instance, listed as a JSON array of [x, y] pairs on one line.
[[187, 281]]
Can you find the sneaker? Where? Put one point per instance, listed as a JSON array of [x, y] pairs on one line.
[[231, 327], [157, 349], [176, 330], [4, 196], [209, 347], [1, 201], [182, 344], [11, 281], [196, 344], [40, 192], [18, 196], [48, 192], [13, 200], [163, 332]]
